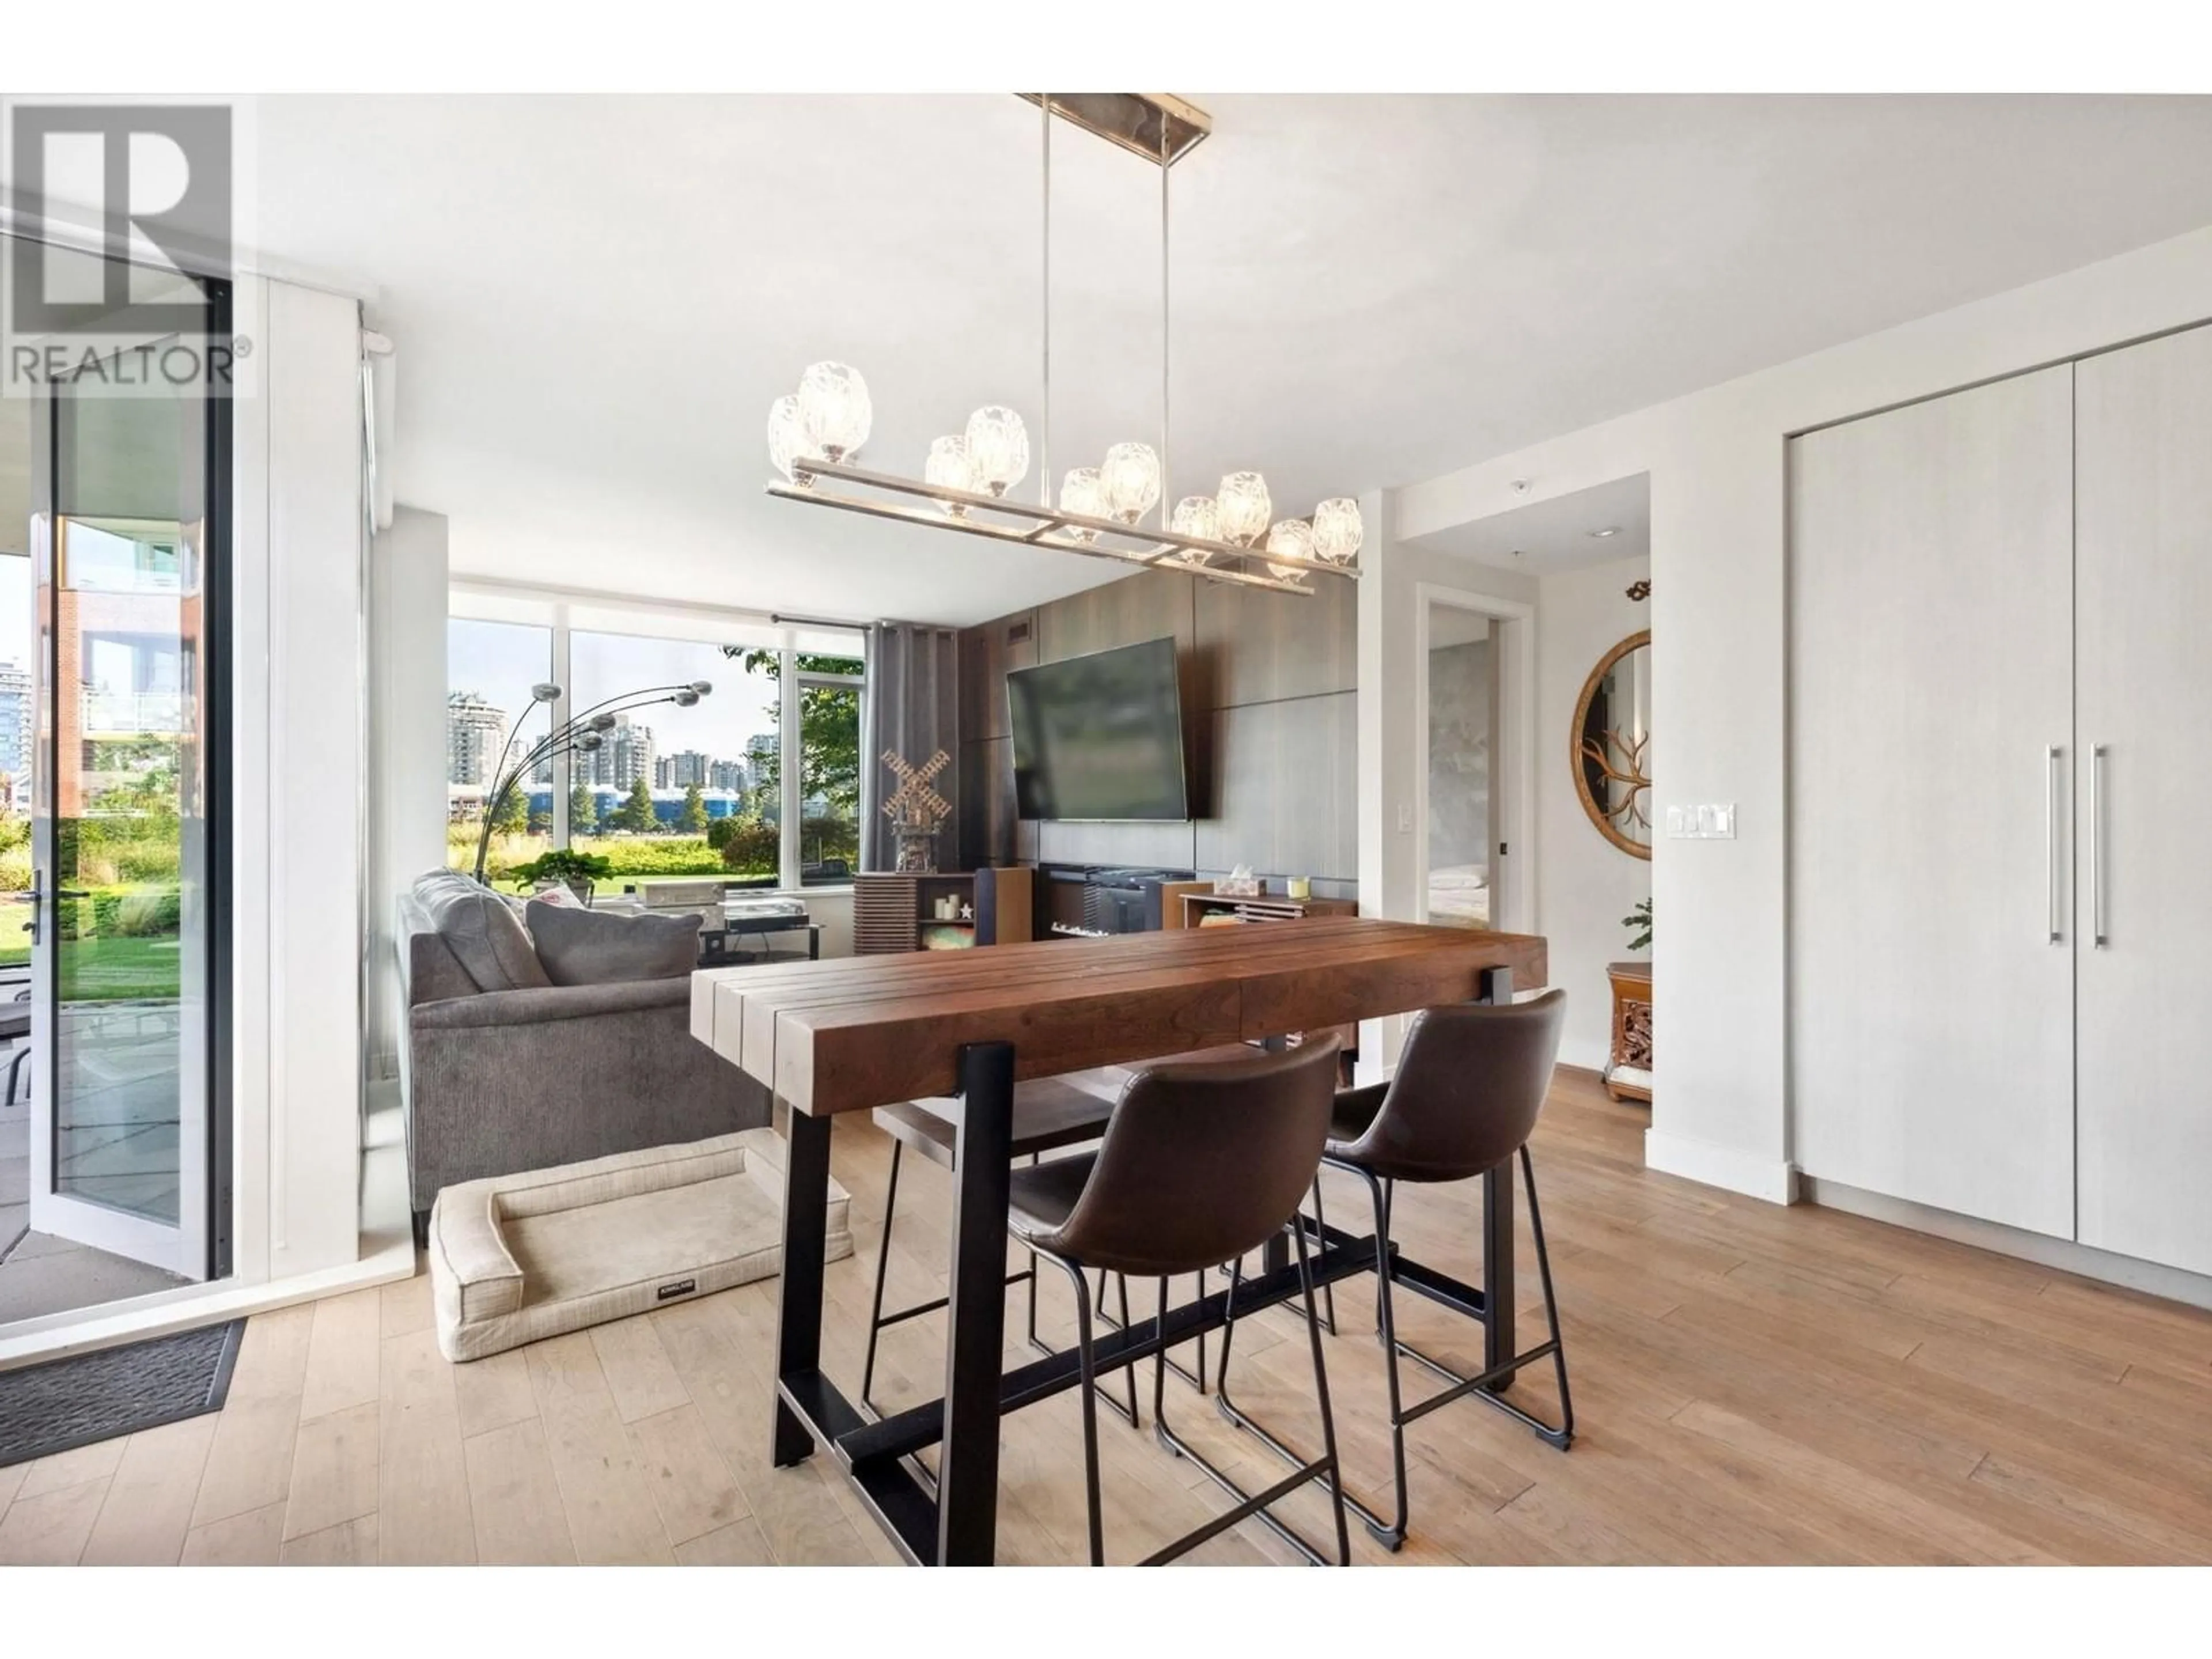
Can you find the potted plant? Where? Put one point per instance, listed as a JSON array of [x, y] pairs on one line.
[[1638, 923], [577, 871]]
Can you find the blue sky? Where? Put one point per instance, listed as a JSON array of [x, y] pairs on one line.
[[502, 659]]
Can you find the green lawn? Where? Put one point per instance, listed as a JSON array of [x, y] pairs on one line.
[[98, 969]]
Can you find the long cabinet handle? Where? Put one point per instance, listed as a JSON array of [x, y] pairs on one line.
[[2054, 889], [2097, 846]]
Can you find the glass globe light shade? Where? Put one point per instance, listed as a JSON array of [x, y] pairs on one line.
[[1242, 504], [702, 687], [834, 411], [998, 448], [603, 723], [1129, 482], [588, 742], [949, 468], [1295, 538], [787, 436], [1080, 492], [544, 691], [1196, 516], [1337, 532], [686, 698]]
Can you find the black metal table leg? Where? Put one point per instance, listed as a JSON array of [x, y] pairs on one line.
[[974, 1356], [1275, 1253], [798, 1306], [1497, 1344]]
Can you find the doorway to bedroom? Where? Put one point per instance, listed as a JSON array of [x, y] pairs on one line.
[[1475, 847]]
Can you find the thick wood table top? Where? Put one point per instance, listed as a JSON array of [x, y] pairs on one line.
[[857, 1032]]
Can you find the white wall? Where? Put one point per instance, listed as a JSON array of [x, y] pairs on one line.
[[407, 757], [1585, 884], [298, 761], [1715, 461], [1393, 724]]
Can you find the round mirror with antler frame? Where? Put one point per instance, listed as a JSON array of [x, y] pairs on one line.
[[1612, 745]]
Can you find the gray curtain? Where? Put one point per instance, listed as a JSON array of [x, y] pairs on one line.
[[913, 709]]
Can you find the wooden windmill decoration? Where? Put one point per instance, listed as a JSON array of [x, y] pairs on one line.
[[916, 809]]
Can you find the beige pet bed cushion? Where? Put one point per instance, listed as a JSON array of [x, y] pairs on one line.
[[517, 1258]]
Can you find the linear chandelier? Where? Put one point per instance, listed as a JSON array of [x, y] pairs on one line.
[[1231, 536]]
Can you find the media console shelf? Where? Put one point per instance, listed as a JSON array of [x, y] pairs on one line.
[[1200, 906], [897, 913], [1195, 904]]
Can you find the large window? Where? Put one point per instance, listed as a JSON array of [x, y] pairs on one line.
[[491, 717], [757, 782], [670, 790]]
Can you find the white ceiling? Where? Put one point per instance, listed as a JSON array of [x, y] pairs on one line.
[[595, 300], [1559, 534]]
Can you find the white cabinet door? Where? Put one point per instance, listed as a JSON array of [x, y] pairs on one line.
[[1931, 645], [2144, 678]]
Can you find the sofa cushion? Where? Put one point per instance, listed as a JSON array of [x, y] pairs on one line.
[[586, 947], [482, 930]]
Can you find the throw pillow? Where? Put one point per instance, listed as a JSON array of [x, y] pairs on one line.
[[482, 931], [558, 894], [589, 947]]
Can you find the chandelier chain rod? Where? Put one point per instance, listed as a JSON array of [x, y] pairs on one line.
[[1166, 496]]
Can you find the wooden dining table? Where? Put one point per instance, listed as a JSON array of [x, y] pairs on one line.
[[848, 1034]]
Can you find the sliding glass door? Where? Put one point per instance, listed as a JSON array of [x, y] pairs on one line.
[[127, 1155]]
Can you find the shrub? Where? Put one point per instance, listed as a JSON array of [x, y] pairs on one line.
[[148, 914], [120, 912], [655, 856], [752, 847]]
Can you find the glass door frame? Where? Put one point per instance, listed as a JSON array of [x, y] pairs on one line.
[[199, 1246]]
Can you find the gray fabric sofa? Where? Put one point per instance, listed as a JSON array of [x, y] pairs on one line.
[[503, 1072]]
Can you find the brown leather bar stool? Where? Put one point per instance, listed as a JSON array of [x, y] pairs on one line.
[[1200, 1164], [1469, 1084], [1050, 1113]]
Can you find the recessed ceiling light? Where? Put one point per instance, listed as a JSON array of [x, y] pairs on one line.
[[1610, 530]]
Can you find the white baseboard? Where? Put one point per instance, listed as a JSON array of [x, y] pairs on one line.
[[388, 1254], [1585, 1056], [1774, 1180], [2174, 1284]]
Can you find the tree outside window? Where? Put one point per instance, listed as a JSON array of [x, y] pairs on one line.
[[830, 760]]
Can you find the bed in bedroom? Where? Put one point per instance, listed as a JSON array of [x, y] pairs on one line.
[[1459, 896]]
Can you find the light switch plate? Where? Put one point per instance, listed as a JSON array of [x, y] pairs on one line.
[[1405, 818], [1715, 822]]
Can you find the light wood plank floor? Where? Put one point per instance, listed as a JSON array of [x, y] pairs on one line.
[[1755, 1385]]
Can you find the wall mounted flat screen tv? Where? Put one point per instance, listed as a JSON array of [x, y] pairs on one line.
[[1100, 737]]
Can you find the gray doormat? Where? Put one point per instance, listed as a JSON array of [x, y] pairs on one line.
[[67, 1403]]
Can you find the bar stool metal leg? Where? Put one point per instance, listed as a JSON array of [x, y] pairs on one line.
[[1563, 1436], [883, 1265], [1392, 1533], [1327, 1291], [1087, 1368], [1324, 1469], [879, 1322], [1195, 1378]]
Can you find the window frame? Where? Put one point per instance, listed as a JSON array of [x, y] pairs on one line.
[[567, 612], [795, 681]]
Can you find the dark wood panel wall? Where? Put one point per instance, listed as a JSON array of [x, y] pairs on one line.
[[1268, 717]]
